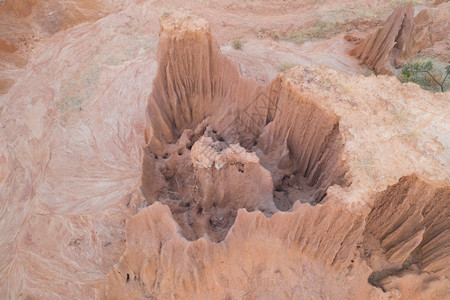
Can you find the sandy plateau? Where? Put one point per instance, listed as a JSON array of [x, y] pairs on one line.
[[222, 150]]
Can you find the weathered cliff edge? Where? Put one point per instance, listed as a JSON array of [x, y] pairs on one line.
[[320, 185]]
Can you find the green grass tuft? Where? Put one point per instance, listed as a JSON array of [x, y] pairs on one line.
[[237, 44]]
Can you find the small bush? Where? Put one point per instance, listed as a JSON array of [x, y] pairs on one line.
[[237, 44], [425, 74]]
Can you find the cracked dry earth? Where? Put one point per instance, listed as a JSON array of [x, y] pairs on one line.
[[185, 180]]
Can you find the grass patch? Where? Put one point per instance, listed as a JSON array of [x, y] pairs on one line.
[[284, 66], [348, 14], [399, 116], [329, 24], [320, 30], [237, 44], [397, 3], [341, 20]]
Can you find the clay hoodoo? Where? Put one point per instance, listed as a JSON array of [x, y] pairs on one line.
[[208, 128], [382, 47], [196, 94], [251, 189], [403, 35]]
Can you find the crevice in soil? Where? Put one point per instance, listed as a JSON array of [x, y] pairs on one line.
[[403, 232]]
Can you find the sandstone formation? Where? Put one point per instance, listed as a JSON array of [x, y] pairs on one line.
[[403, 35], [218, 143], [382, 47]]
